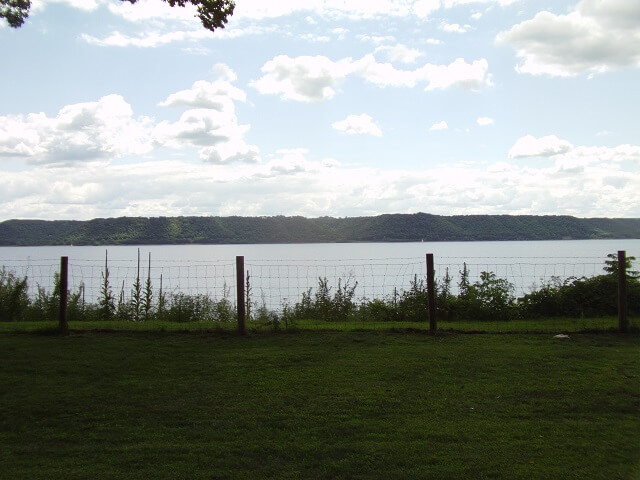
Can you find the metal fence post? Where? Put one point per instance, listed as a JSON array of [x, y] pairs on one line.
[[63, 326], [431, 292], [240, 295], [623, 324]]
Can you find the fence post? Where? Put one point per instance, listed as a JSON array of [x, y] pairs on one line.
[[431, 292], [240, 294], [623, 324], [63, 326]]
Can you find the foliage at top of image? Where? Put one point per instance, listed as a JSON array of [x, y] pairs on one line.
[[212, 13]]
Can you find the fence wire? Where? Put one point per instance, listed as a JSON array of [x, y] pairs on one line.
[[275, 283]]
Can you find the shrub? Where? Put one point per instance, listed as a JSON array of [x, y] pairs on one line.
[[14, 300]]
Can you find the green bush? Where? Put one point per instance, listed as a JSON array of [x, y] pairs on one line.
[[14, 301], [193, 308], [322, 305]]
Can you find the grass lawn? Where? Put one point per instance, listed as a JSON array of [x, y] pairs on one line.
[[541, 325], [352, 405]]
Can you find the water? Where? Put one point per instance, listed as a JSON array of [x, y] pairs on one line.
[[280, 273]]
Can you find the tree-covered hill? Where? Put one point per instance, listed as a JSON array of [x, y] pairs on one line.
[[280, 229]]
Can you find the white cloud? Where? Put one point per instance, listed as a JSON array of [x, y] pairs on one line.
[[211, 124], [454, 3], [353, 9], [399, 53], [484, 121], [454, 27], [313, 38], [358, 125], [316, 78], [424, 8], [86, 5], [107, 129], [233, 150], [382, 74], [340, 33], [80, 132], [376, 39], [459, 73], [162, 34], [145, 40], [442, 125], [302, 78], [337, 9], [595, 37], [146, 11], [217, 95], [224, 72], [291, 183], [529, 146]]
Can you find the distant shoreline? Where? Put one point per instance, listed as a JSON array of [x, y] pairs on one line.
[[388, 228]]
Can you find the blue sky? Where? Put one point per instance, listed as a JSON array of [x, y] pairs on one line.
[[322, 107]]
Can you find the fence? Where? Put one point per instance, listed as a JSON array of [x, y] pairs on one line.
[[273, 286]]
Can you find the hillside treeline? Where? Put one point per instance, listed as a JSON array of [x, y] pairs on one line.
[[281, 229]]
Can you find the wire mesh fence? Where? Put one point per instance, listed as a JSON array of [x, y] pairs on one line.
[[276, 283], [214, 279], [319, 291]]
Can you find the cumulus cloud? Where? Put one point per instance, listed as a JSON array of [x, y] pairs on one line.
[[80, 132], [459, 73], [399, 53], [358, 125], [595, 37], [316, 78], [107, 129], [211, 123], [442, 125], [302, 78], [530, 146], [217, 95], [484, 121]]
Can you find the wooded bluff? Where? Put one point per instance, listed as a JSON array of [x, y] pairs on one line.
[[281, 229]]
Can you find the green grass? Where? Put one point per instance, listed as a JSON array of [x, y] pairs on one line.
[[352, 405], [545, 325]]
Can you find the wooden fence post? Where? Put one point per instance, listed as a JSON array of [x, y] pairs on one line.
[[240, 295], [623, 324], [63, 326], [431, 292]]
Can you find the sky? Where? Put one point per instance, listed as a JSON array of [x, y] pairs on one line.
[[322, 108]]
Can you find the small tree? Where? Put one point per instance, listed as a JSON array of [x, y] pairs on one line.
[[464, 284], [148, 293], [611, 266], [106, 302], [136, 294]]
